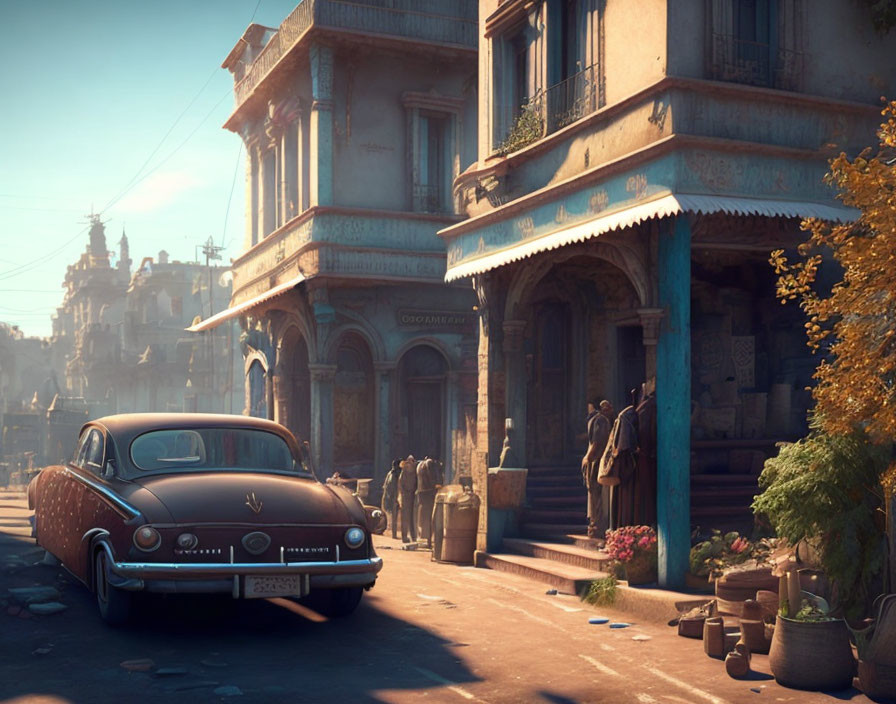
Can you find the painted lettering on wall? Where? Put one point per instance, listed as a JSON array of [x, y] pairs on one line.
[[433, 319]]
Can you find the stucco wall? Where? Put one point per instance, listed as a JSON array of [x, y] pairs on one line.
[[634, 46], [370, 139]]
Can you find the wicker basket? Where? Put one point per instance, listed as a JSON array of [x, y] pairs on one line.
[[812, 655]]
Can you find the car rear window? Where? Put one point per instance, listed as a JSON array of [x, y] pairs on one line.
[[212, 448]]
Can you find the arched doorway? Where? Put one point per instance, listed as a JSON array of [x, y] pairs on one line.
[[421, 375], [296, 381], [353, 409], [582, 341]]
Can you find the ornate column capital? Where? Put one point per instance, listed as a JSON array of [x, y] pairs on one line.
[[650, 323], [322, 372], [513, 335]]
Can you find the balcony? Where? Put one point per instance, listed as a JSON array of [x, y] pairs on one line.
[[554, 108], [754, 63], [428, 199], [455, 24]]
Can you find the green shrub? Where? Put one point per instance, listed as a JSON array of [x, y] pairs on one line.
[[826, 489], [601, 592]]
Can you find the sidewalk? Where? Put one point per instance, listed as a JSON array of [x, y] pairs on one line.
[[646, 603]]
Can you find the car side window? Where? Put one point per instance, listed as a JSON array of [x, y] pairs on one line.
[[80, 456], [95, 451]]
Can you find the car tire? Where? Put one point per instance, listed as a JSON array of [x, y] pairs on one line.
[[336, 603], [114, 604]]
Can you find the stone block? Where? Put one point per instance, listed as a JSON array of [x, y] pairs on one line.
[[506, 487]]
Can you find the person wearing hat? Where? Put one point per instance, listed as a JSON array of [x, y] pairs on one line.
[[407, 488]]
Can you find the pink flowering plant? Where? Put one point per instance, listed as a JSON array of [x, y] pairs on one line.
[[631, 543]]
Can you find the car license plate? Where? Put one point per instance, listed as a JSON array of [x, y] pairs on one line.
[[264, 586]]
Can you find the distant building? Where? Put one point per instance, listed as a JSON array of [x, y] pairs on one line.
[[122, 342], [356, 119], [637, 164]]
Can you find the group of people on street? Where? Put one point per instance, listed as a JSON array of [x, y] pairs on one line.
[[619, 468], [410, 491]]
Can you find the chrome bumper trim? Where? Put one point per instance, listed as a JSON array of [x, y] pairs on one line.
[[148, 570]]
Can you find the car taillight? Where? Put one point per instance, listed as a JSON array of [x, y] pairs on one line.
[[147, 538]]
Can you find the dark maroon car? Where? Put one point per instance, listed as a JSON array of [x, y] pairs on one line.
[[196, 503]]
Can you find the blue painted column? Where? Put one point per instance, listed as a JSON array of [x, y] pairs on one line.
[[673, 396], [384, 373], [322, 376], [321, 142]]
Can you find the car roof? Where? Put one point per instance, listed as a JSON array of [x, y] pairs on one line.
[[124, 427]]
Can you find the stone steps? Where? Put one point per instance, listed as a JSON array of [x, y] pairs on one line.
[[555, 531], [565, 578], [559, 552]]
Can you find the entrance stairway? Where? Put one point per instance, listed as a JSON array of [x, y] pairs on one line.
[[553, 549]]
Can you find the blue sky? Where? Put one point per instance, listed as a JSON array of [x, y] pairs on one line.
[[92, 96]]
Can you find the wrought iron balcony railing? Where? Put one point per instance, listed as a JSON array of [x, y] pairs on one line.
[[428, 199], [554, 108], [755, 63], [455, 24]]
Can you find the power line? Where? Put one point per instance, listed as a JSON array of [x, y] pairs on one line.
[[236, 168]]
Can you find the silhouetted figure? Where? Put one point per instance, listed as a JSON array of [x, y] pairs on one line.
[[617, 466], [427, 478], [600, 422], [645, 474], [407, 487], [389, 503]]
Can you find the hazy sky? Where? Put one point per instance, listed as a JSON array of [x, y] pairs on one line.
[[115, 105]]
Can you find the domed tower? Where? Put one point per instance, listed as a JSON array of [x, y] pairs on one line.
[[97, 246]]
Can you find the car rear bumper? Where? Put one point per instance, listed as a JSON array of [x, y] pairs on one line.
[[223, 576]]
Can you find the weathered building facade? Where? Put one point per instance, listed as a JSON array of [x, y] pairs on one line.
[[637, 164], [120, 339], [356, 118]]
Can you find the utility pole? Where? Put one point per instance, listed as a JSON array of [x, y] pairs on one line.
[[211, 251]]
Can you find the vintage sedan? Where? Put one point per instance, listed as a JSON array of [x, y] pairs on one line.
[[201, 503]]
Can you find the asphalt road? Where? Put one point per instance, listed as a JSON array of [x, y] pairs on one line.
[[427, 632]]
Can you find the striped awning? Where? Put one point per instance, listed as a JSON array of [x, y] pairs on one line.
[[236, 310], [671, 204]]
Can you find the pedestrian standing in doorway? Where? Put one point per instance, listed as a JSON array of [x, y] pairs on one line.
[[617, 465], [426, 497], [600, 422], [390, 496], [645, 474], [407, 488]]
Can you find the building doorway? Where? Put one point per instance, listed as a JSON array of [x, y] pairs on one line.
[[296, 409], [632, 360], [353, 409], [548, 396], [422, 379]]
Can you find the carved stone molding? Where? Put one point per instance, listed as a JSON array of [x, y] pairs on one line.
[[650, 323], [322, 372], [513, 335]]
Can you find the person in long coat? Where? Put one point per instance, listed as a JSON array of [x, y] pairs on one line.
[[600, 422], [427, 478], [407, 488], [389, 503], [617, 466]]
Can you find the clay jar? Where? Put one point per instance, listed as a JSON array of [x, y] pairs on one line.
[[812, 655]]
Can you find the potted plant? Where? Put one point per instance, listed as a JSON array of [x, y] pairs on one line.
[[810, 648], [634, 548], [826, 491]]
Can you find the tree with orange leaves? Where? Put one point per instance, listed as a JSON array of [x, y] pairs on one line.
[[855, 322]]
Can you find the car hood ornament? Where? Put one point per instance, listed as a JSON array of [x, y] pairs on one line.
[[253, 503]]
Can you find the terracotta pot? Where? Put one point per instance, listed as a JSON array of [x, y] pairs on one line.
[[696, 583], [812, 655], [641, 570]]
